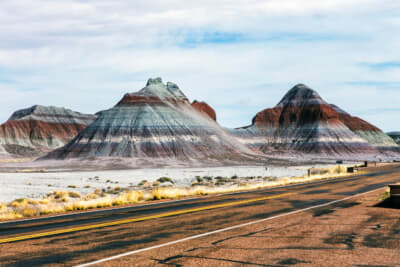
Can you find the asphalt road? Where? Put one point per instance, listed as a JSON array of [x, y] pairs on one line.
[[89, 236]]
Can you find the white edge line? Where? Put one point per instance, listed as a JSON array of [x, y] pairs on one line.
[[221, 230], [180, 200]]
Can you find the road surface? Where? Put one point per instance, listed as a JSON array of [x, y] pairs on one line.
[[131, 232]]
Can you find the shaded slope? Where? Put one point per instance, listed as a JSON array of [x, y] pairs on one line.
[[40, 129], [395, 136], [156, 122]]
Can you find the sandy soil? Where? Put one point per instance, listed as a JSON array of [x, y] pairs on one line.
[[37, 184]]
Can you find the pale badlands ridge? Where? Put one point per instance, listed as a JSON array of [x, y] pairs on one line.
[[159, 126]]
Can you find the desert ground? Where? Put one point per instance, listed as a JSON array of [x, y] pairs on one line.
[[36, 184]]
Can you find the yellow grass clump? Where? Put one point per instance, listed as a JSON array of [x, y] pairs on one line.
[[63, 201]]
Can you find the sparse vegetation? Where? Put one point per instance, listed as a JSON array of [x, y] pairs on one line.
[[142, 183], [165, 180], [385, 195], [207, 178], [199, 179], [74, 194], [336, 170], [62, 201]]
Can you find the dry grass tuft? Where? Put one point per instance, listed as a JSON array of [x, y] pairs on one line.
[[74, 194], [62, 201]]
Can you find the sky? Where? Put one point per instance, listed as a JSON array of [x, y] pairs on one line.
[[240, 56]]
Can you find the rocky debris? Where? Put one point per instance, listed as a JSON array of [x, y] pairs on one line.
[[40, 129], [204, 107], [156, 122]]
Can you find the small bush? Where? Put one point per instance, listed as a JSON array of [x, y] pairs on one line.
[[199, 179], [59, 194], [165, 180], [221, 179], [29, 212], [74, 194], [21, 202], [98, 191], [143, 182]]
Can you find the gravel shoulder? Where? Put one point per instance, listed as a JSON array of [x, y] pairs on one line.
[[358, 232]]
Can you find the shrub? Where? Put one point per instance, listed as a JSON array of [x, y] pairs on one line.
[[29, 212], [74, 194], [21, 202], [164, 180], [199, 179], [221, 179], [143, 182]]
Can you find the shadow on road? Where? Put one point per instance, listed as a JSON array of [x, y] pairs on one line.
[[389, 204]]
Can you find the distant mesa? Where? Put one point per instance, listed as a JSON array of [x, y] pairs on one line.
[[302, 122], [39, 129], [156, 122], [395, 136]]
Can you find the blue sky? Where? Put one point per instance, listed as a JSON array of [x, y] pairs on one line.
[[239, 56]]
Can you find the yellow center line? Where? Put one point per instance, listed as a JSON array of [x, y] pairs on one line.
[[167, 214]]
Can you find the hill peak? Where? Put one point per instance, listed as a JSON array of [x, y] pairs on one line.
[[301, 94], [40, 110], [154, 90]]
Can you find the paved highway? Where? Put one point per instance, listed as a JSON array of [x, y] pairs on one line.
[[87, 237]]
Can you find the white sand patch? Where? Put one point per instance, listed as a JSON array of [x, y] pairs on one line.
[[37, 185]]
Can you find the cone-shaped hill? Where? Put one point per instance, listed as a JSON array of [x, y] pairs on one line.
[[156, 122], [40, 129], [302, 122]]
